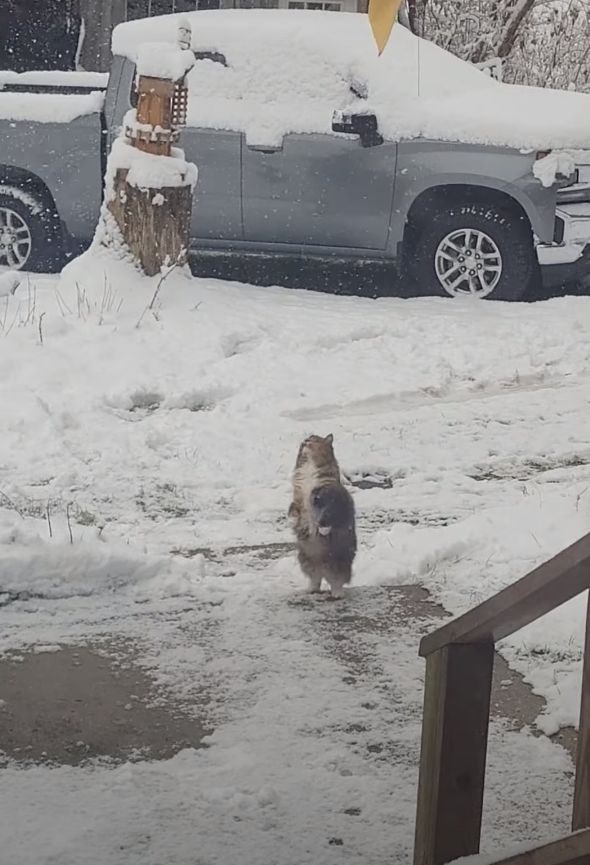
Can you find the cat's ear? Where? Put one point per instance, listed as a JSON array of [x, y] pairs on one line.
[[329, 439]]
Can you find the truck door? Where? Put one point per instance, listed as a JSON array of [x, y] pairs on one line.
[[217, 153], [319, 190], [217, 204]]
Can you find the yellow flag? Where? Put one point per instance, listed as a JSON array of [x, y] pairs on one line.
[[382, 17]]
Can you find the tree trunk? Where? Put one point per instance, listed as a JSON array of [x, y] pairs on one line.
[[413, 16], [157, 234], [99, 19], [38, 34], [510, 32]]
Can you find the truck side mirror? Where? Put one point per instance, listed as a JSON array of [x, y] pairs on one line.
[[363, 125], [214, 56]]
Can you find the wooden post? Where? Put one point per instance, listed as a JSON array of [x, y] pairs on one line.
[[155, 222], [454, 746], [581, 818]]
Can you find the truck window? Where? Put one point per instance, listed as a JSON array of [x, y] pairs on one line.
[[147, 8]]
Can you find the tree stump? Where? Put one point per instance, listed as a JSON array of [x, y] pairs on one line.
[[154, 223]]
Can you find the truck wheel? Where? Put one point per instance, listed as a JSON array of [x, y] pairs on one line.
[[478, 250], [29, 233]]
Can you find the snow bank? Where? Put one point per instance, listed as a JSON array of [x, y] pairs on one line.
[[39, 560], [289, 70], [48, 107]]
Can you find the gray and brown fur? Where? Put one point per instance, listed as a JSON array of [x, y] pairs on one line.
[[323, 516]]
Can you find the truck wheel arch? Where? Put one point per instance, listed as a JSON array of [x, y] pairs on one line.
[[29, 184], [34, 203], [459, 193]]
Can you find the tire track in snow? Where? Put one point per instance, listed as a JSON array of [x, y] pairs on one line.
[[408, 400]]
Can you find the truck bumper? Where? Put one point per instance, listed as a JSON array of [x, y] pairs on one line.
[[567, 259]]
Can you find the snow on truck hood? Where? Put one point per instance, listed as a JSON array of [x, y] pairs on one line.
[[289, 70]]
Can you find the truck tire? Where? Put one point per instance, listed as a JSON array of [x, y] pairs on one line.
[[30, 238], [477, 250]]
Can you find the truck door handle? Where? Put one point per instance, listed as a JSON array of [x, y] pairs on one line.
[[262, 148]]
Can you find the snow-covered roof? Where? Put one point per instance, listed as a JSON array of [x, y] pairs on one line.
[[289, 70]]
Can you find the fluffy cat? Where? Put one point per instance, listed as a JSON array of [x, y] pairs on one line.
[[323, 517]]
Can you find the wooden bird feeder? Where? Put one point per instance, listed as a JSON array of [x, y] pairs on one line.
[[161, 113]]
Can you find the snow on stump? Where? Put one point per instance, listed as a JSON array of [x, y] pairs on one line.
[[149, 184]]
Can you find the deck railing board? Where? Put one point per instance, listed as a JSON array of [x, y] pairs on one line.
[[572, 850], [581, 816], [549, 586]]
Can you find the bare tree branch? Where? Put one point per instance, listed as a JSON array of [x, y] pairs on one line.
[[519, 13]]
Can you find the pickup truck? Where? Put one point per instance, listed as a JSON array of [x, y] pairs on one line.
[[458, 217]]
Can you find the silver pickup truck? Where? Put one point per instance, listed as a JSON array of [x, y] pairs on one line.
[[457, 218]]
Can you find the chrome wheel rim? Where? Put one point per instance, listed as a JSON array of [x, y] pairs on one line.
[[468, 262], [15, 239]]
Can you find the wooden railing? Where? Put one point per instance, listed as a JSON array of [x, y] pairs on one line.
[[459, 664], [573, 850]]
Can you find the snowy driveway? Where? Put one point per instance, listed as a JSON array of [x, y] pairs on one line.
[[464, 430]]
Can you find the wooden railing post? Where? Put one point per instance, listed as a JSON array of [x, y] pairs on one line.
[[581, 819], [460, 658], [454, 746]]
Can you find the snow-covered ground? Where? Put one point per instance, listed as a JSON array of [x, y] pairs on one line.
[[154, 431]]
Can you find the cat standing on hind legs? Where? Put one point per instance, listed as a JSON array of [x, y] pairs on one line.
[[323, 517]]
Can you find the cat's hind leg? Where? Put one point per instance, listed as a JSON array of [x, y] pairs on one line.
[[336, 590], [315, 583], [338, 579], [311, 571]]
